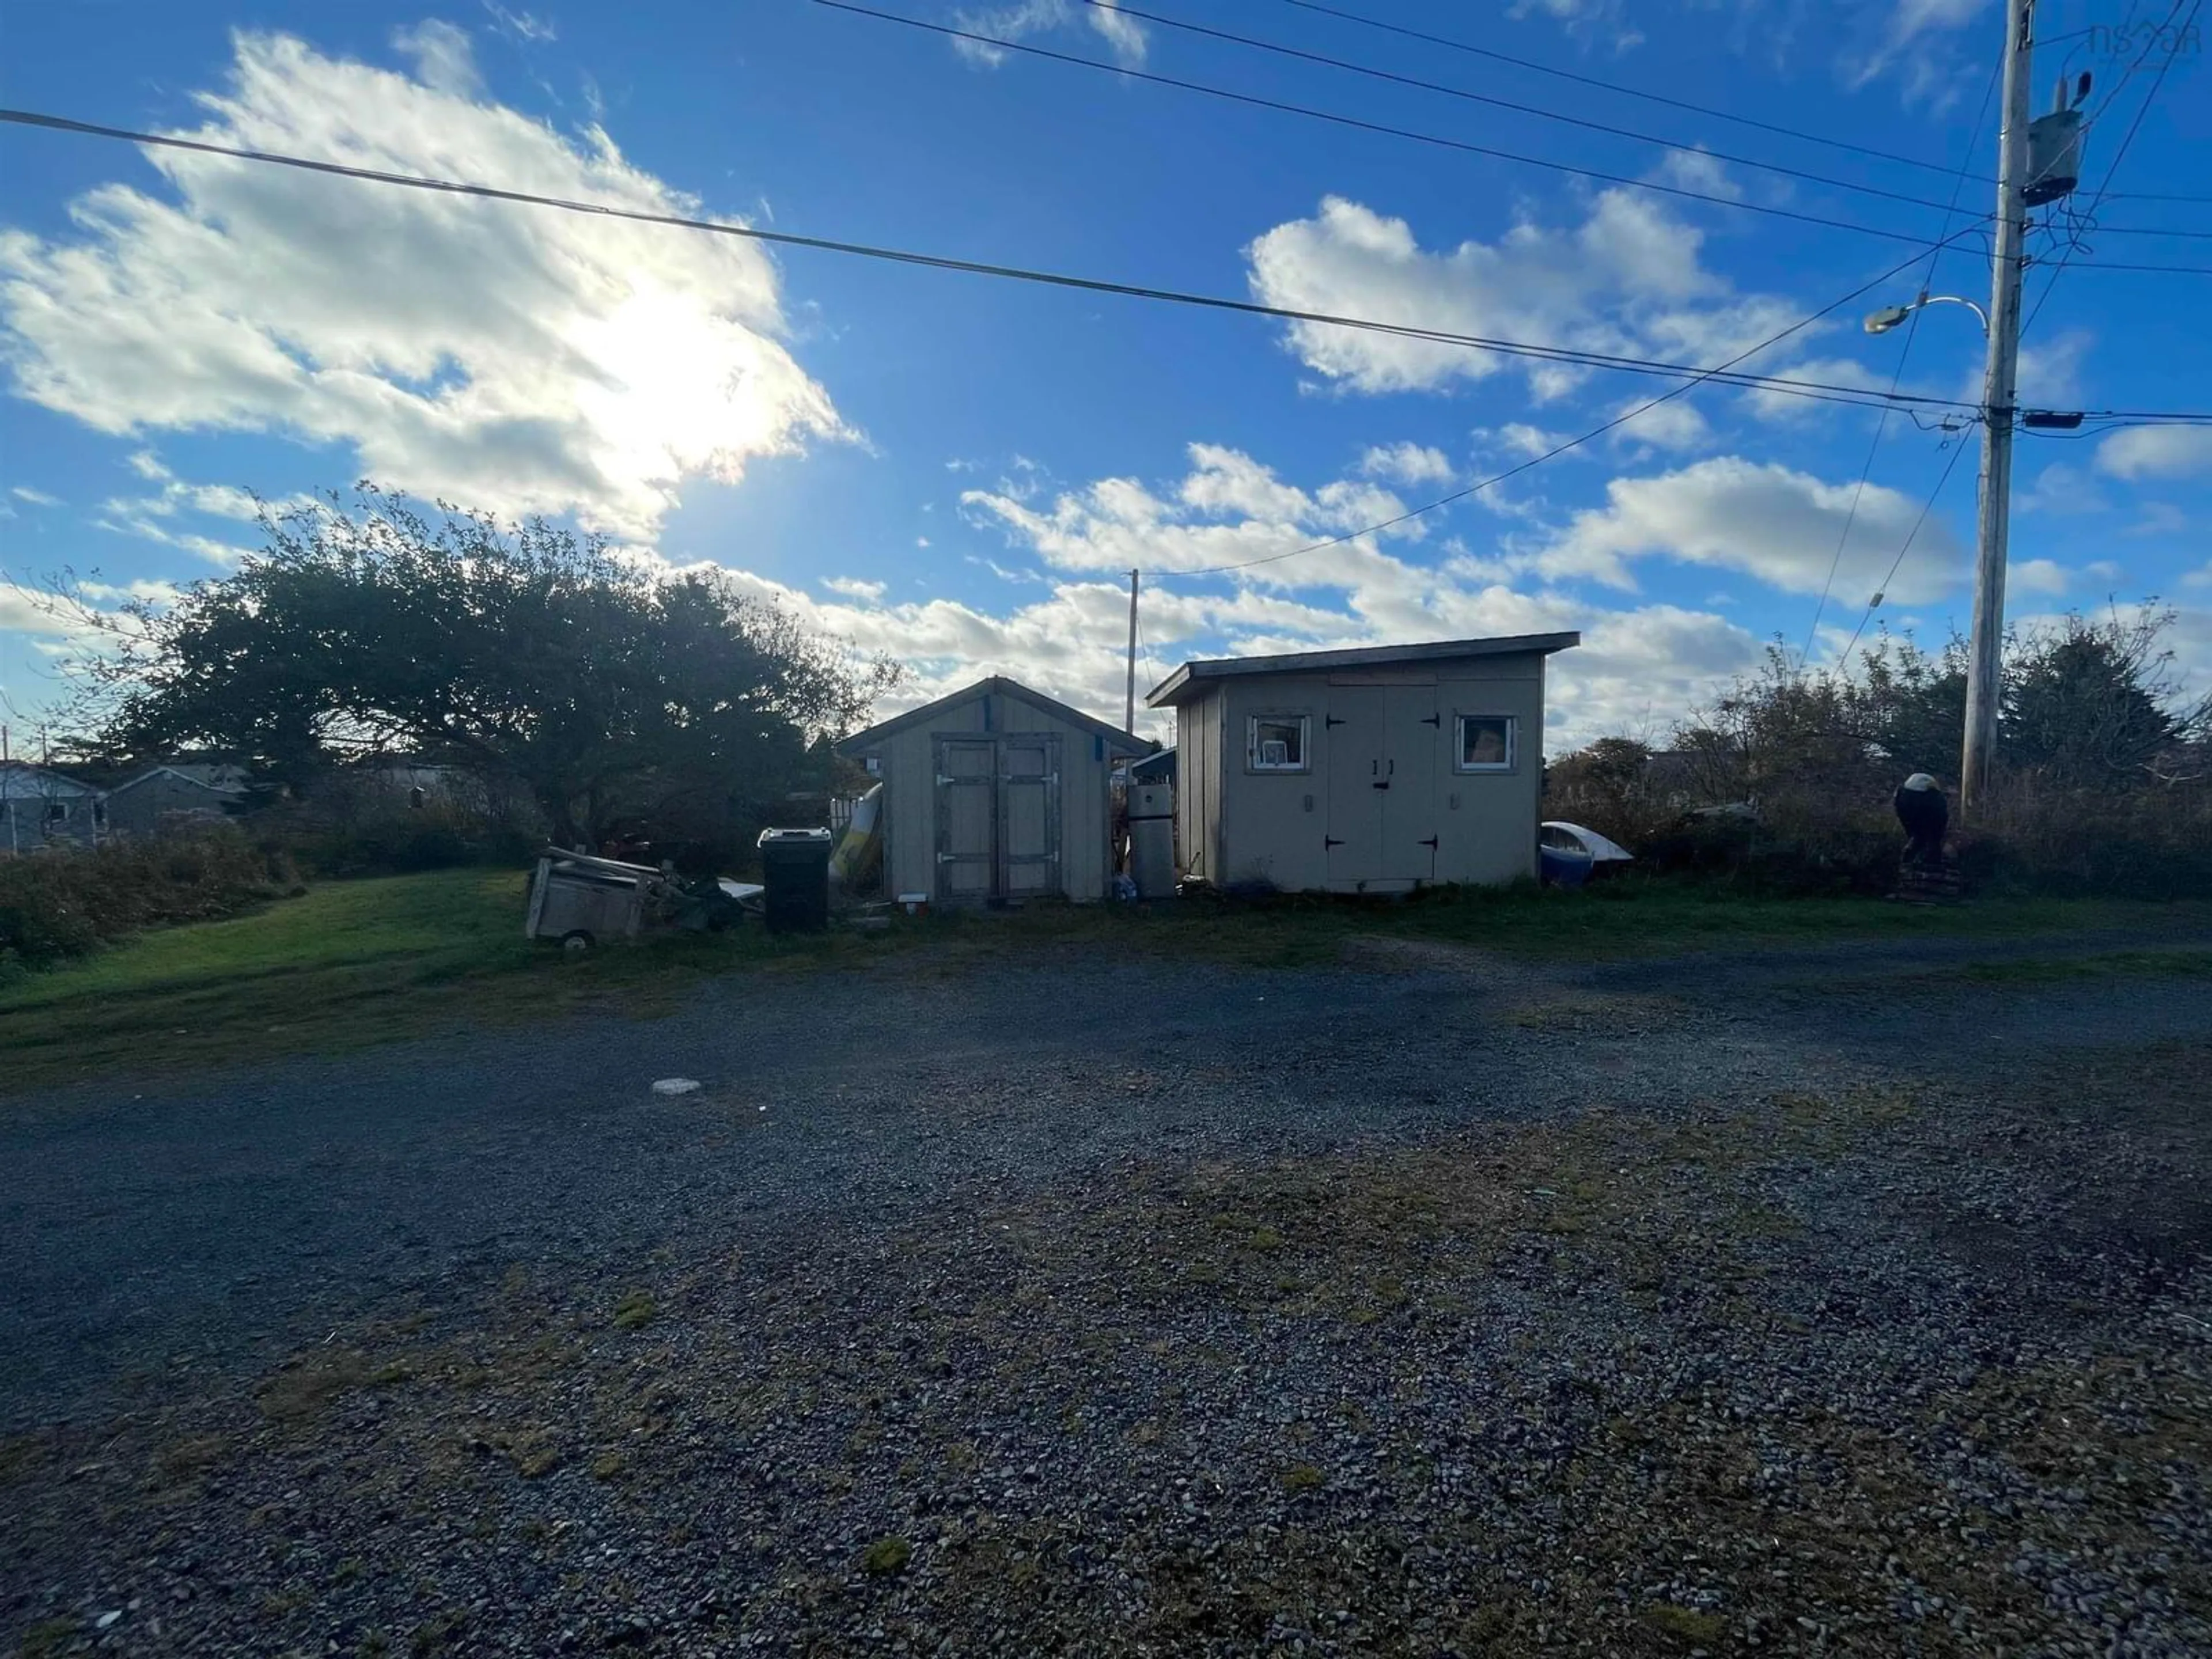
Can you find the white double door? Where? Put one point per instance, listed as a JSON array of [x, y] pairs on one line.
[[1384, 745]]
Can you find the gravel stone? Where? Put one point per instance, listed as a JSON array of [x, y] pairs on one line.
[[1425, 1304]]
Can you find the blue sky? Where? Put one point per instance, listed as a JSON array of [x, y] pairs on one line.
[[960, 471]]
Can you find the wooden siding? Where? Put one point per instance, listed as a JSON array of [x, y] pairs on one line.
[[907, 764], [1261, 827], [1198, 787]]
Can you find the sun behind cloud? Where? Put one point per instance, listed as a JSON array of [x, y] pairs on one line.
[[520, 359]]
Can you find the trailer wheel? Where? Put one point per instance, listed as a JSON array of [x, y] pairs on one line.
[[577, 942]]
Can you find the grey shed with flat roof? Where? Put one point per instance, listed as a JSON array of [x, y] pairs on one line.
[[1373, 770], [995, 793]]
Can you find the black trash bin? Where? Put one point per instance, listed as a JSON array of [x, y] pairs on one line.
[[795, 873]]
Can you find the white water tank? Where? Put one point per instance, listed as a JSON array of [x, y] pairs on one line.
[[1152, 839]]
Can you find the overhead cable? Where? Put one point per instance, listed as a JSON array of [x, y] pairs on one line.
[[1706, 109], [1537, 110], [1559, 449], [996, 43], [1818, 389]]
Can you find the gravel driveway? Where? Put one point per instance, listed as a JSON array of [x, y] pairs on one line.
[[1426, 1304]]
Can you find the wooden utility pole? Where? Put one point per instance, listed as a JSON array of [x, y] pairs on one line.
[[1985, 652], [1129, 700]]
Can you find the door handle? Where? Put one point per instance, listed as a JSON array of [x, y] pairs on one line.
[[1383, 783]]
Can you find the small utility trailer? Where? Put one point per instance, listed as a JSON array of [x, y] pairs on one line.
[[584, 901]]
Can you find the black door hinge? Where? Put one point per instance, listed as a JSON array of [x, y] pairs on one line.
[[1328, 721], [1430, 843], [1328, 841], [1432, 720]]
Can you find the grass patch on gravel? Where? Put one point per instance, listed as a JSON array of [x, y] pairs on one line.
[[349, 965], [1626, 918]]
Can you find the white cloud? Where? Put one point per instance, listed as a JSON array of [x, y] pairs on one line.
[[20, 614], [2156, 452], [219, 501], [144, 519], [1768, 521], [2037, 576], [2104, 570], [1659, 659], [522, 25], [1773, 402], [36, 497], [2199, 578], [1122, 33], [2160, 519], [1593, 22], [1693, 169], [442, 57], [1628, 280], [1408, 463], [2050, 372], [146, 464], [515, 358], [159, 592], [1902, 34], [853, 587], [2063, 490], [1519, 438], [1675, 425]]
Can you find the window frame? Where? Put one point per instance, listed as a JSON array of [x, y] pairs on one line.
[[1257, 768], [1467, 768]]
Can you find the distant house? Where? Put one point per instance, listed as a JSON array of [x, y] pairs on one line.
[[163, 798], [42, 808]]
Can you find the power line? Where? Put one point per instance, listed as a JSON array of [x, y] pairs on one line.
[[1308, 113], [1536, 109], [1543, 114], [1897, 563], [1559, 449], [1816, 389], [1616, 87], [1897, 374]]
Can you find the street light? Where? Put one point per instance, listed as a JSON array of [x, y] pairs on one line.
[[1881, 322]]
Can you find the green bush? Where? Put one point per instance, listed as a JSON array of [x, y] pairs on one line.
[[395, 842], [59, 904]]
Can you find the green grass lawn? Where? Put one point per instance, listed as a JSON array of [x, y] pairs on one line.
[[358, 963], [1629, 918], [348, 964]]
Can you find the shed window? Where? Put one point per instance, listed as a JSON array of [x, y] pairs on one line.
[[1486, 743], [1276, 743], [57, 811]]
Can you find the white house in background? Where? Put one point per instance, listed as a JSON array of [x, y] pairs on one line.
[[42, 808], [1375, 770]]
